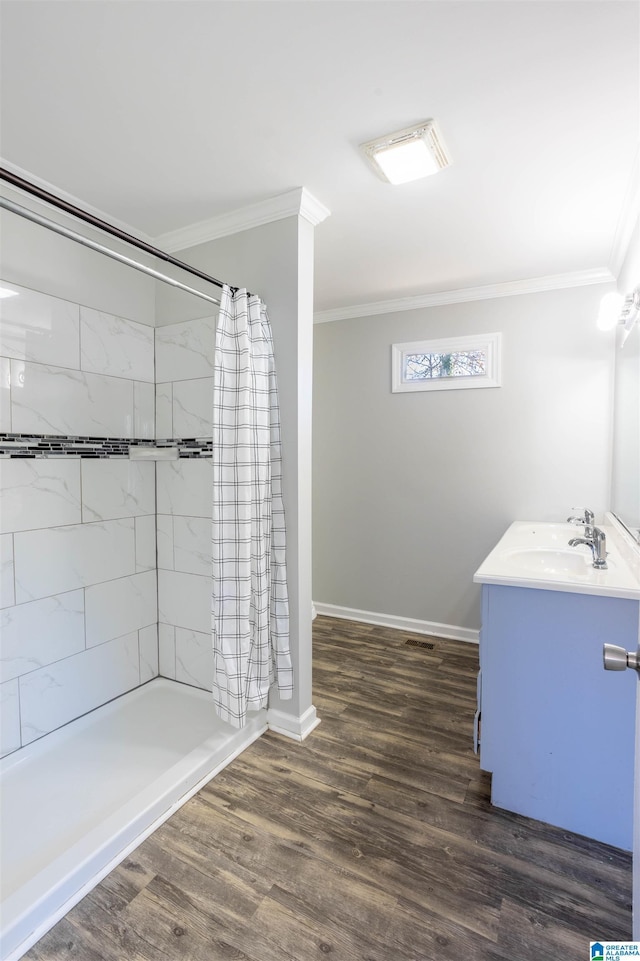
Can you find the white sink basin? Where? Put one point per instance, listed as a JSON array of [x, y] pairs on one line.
[[538, 555], [557, 536], [541, 560]]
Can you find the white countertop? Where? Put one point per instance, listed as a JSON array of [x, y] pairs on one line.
[[537, 555]]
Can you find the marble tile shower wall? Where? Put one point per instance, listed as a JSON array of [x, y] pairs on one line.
[[78, 593], [184, 393], [73, 370]]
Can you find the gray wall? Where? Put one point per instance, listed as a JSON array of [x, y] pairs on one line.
[[412, 490]]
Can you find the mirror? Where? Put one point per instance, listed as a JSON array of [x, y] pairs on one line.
[[625, 482]]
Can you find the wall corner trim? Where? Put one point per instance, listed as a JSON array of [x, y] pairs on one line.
[[449, 631], [293, 203], [296, 727], [534, 285]]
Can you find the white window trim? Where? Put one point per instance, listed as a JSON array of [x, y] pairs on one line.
[[491, 343]]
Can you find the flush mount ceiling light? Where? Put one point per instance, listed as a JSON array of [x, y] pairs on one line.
[[408, 154]]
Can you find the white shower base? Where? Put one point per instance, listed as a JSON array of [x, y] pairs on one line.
[[76, 802]]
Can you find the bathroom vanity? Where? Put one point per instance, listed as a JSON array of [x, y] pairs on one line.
[[555, 730]]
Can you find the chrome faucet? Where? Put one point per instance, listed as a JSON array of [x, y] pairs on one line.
[[586, 520], [598, 544]]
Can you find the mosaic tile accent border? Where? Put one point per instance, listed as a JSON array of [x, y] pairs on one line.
[[66, 445]]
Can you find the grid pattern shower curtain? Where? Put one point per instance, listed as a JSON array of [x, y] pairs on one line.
[[250, 606]]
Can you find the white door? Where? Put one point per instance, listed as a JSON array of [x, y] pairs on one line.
[[617, 659]]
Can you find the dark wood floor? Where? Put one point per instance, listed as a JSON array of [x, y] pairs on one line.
[[372, 841]]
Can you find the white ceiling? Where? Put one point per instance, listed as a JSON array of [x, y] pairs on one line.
[[163, 114]]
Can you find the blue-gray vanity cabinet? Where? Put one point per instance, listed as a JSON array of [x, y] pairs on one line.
[[557, 731]]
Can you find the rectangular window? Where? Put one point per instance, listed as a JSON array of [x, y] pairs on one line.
[[454, 363]]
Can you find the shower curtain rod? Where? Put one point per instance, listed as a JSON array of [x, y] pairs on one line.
[[94, 245], [88, 218]]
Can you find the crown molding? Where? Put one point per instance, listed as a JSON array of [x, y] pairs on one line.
[[312, 209], [69, 198], [298, 202], [628, 219], [295, 203], [534, 285]]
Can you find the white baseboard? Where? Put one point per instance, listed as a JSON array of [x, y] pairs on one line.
[[449, 631], [297, 728]]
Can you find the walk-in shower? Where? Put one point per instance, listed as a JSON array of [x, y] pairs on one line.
[[106, 378]]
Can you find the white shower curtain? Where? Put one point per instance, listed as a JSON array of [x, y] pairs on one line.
[[250, 607]]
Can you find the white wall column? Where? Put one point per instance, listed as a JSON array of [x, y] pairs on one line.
[[275, 260]]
